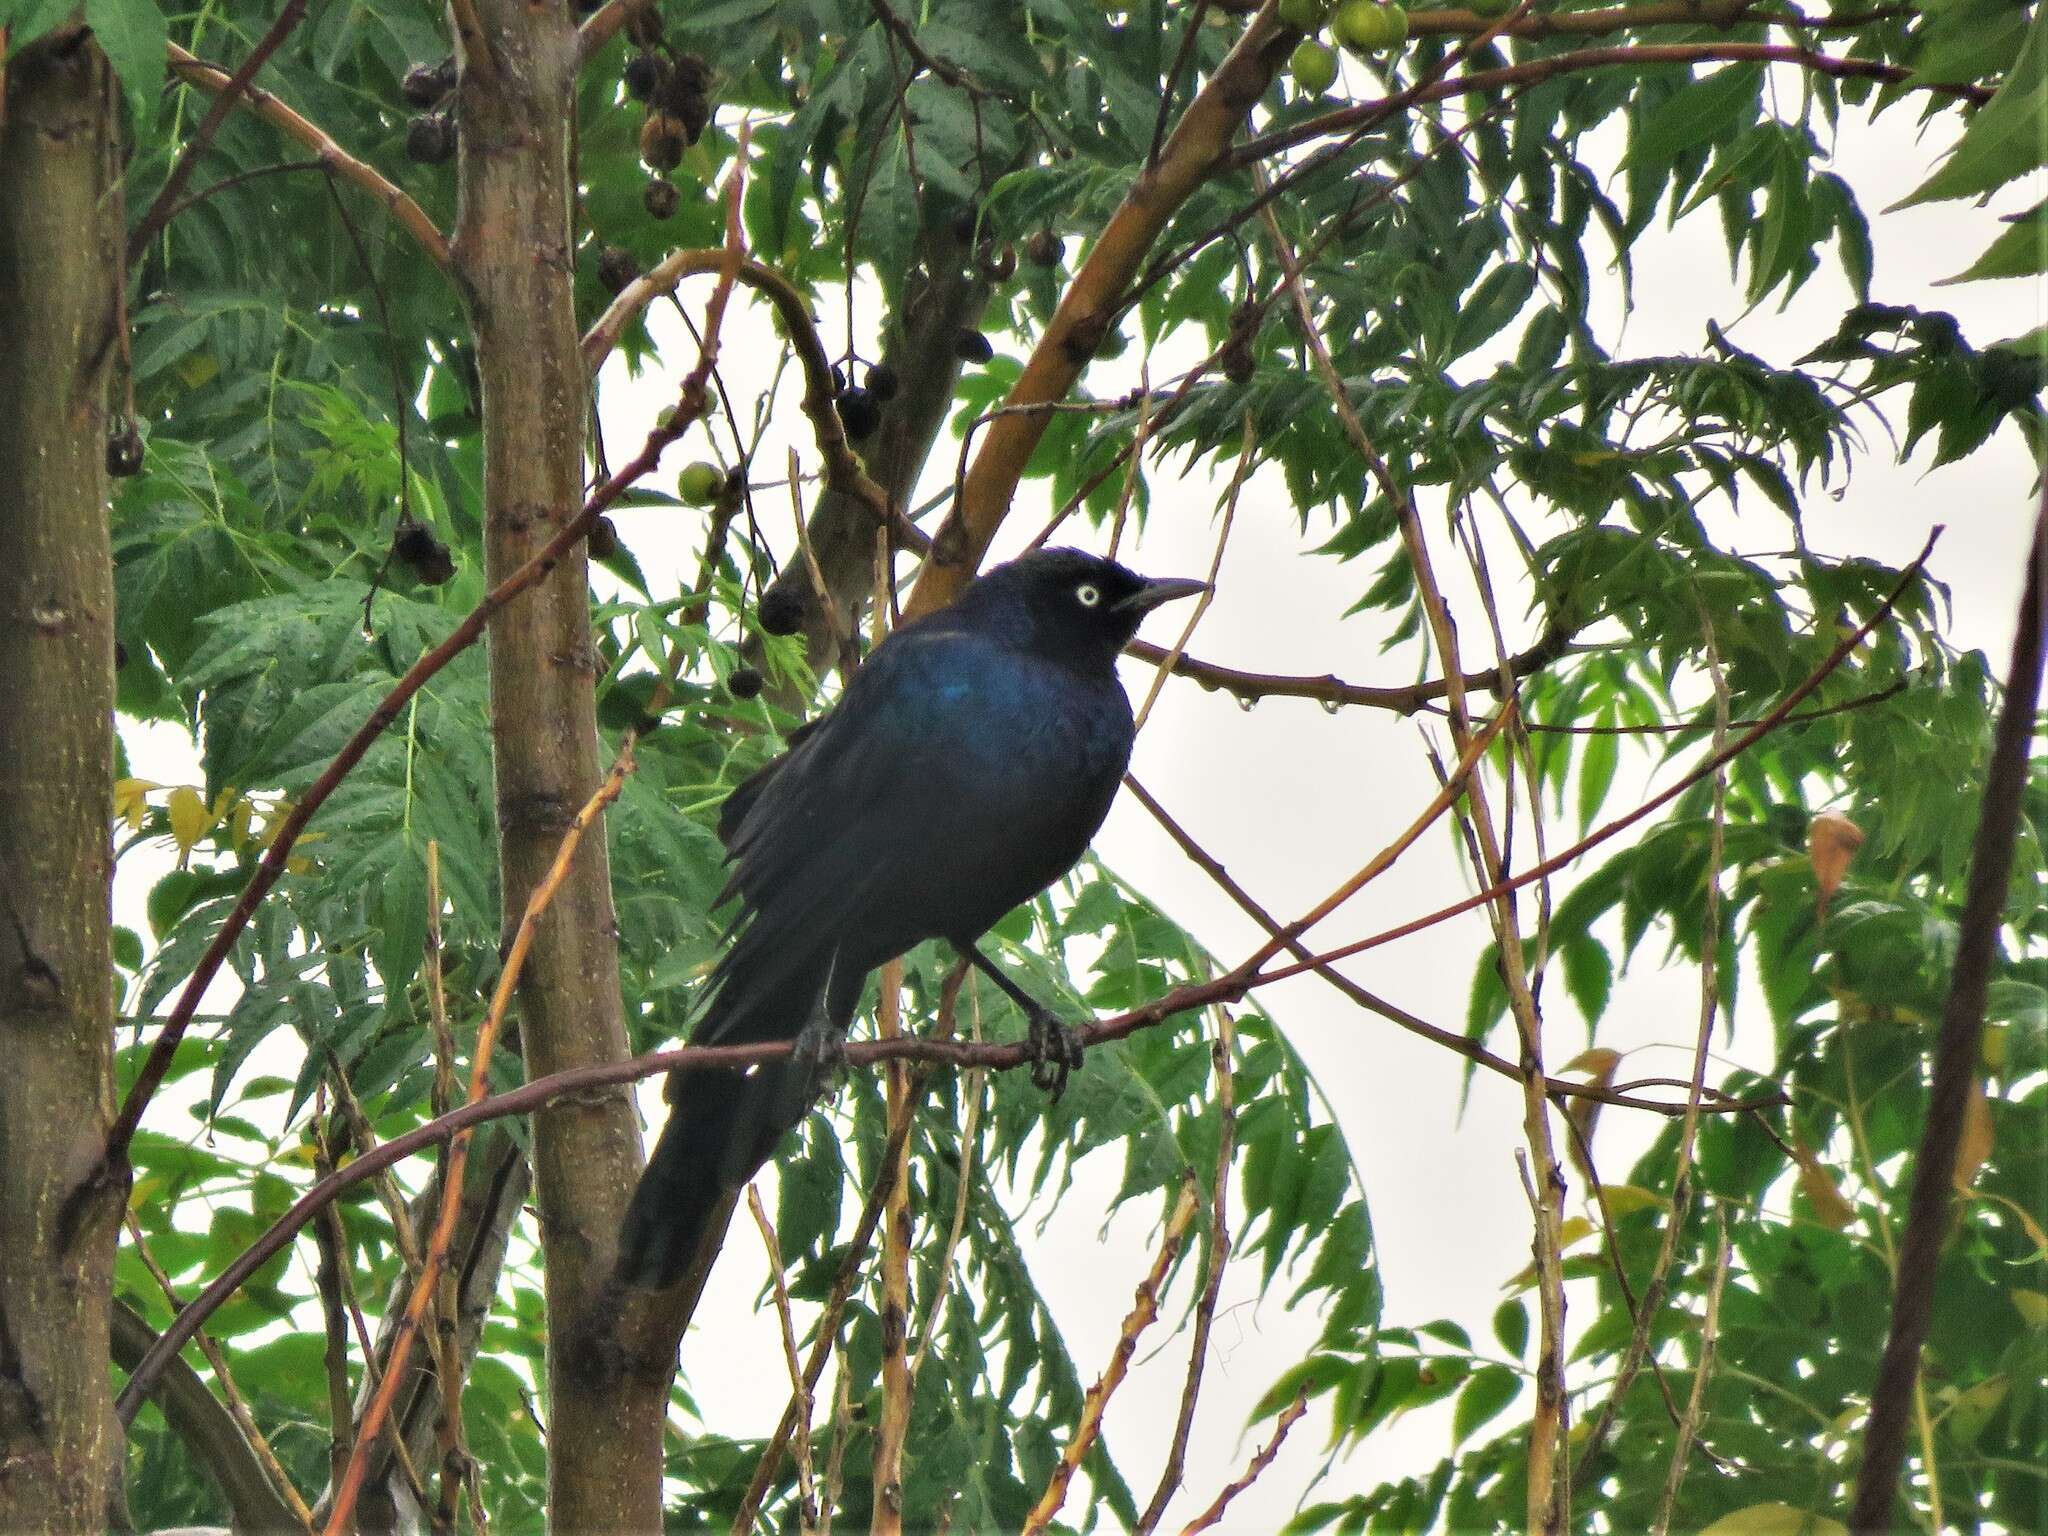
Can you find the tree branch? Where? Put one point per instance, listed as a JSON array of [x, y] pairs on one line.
[[166, 202], [1955, 1060], [206, 1429], [409, 214], [1328, 689]]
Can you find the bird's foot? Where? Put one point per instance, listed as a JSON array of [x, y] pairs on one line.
[[1055, 1050], [819, 1054]]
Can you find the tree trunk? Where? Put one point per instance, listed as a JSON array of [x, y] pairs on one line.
[[60, 261], [513, 249]]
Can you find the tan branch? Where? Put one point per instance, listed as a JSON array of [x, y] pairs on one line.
[[409, 214], [1197, 145], [1136, 1321], [1259, 1462]]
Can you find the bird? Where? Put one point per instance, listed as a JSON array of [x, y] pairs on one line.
[[964, 768]]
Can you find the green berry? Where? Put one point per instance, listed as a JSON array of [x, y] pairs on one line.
[[1313, 66], [700, 483], [1366, 26], [1305, 15]]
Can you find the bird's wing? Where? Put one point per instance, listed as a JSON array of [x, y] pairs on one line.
[[816, 828]]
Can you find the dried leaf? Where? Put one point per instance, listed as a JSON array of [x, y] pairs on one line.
[[1973, 1151], [1817, 1180], [1599, 1064], [1831, 842]]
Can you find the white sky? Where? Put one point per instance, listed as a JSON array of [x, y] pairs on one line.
[[1293, 799]]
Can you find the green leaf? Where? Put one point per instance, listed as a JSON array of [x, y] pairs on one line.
[[2006, 138], [1588, 976], [2020, 252], [1486, 1393], [135, 38]]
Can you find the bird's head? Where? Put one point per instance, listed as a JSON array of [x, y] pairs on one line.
[[1078, 606]]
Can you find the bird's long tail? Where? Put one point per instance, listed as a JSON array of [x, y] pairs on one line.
[[680, 1191], [724, 1124]]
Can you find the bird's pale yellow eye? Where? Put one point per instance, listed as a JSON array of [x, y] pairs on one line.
[[1088, 595]]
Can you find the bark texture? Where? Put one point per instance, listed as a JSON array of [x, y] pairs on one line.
[[60, 261], [514, 257]]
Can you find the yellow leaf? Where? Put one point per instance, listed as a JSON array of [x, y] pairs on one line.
[[1973, 1151], [189, 819], [1598, 1063], [1627, 1199], [130, 800], [197, 368], [1817, 1180], [1774, 1520], [1831, 842], [2032, 1306], [298, 864], [1571, 1229], [227, 797], [1994, 1047], [143, 1191], [245, 811]]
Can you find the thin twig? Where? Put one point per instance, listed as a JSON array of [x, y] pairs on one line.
[[1259, 1462], [409, 214], [779, 1279], [1656, 1286], [238, 1406], [827, 1333], [165, 203], [1136, 1321], [1695, 1406], [1222, 1059], [1230, 495]]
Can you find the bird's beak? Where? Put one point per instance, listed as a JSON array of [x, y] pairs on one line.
[[1164, 590]]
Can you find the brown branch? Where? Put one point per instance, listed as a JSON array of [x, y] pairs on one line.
[[159, 212], [605, 23], [272, 866], [579, 1081], [1333, 690], [1140, 1317], [1536, 71], [844, 471], [1955, 1059], [204, 1427], [1259, 1462], [893, 1429], [1198, 144], [1749, 738], [408, 213], [332, 1244]]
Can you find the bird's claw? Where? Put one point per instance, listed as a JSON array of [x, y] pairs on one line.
[[821, 1054], [1055, 1051]]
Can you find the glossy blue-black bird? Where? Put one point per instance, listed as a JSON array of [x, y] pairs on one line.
[[963, 770]]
